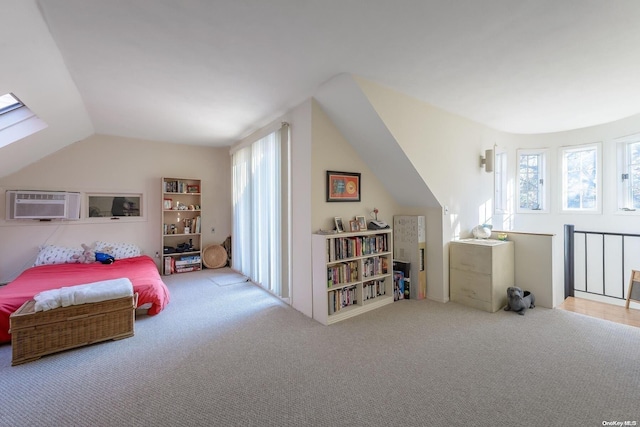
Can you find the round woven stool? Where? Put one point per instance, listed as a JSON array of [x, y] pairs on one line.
[[214, 256]]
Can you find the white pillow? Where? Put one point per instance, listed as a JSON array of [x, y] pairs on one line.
[[51, 254], [118, 250]]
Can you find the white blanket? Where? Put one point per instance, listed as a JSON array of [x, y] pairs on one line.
[[82, 294]]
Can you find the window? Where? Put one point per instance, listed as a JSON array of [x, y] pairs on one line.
[[16, 120], [532, 181], [500, 181], [9, 102], [629, 173], [258, 231], [113, 205], [580, 178]]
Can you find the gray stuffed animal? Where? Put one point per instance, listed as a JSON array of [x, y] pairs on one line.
[[519, 300]]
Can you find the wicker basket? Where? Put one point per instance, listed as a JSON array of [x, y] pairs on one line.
[[214, 256], [35, 334]]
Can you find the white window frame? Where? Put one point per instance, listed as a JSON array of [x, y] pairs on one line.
[[623, 175], [500, 181], [140, 216], [564, 151], [543, 176], [17, 121]]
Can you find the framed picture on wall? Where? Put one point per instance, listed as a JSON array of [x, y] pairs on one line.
[[343, 186]]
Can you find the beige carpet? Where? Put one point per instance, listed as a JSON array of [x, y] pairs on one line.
[[236, 356]]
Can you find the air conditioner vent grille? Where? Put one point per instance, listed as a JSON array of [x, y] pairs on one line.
[[41, 196]]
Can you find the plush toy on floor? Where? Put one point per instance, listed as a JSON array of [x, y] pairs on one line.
[[519, 300], [87, 256]]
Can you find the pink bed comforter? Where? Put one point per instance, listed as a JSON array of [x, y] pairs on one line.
[[141, 270]]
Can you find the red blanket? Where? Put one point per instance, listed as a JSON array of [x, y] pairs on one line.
[[141, 270]]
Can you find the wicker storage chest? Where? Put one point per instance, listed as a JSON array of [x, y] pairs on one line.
[[35, 334]]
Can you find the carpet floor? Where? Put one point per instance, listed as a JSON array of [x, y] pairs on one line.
[[237, 356]]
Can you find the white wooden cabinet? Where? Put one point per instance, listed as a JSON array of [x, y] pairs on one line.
[[480, 271], [352, 273]]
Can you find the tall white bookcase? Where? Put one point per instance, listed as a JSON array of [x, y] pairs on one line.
[[409, 245], [352, 273], [181, 225]]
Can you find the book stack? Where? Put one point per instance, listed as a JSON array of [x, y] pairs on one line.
[[186, 263], [342, 273], [401, 280], [374, 266], [341, 298], [373, 289], [175, 187], [350, 247]]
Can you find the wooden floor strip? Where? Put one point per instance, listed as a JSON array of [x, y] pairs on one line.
[[602, 310]]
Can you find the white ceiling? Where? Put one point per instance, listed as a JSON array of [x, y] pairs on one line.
[[210, 72]]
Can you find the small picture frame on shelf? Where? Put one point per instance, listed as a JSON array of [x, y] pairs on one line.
[[362, 223], [339, 226], [353, 225], [166, 204], [193, 188]]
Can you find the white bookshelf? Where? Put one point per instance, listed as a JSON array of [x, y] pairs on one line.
[[352, 273], [181, 224]]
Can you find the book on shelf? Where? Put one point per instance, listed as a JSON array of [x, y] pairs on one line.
[[398, 285], [373, 289], [175, 186], [167, 265], [405, 268], [187, 269], [186, 262], [342, 273], [341, 298]]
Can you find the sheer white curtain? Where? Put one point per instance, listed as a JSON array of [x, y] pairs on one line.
[[257, 212]]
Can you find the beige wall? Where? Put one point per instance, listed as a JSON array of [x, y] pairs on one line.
[[330, 151], [113, 164], [445, 150]]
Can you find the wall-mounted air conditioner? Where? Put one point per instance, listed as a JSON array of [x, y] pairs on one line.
[[42, 205]]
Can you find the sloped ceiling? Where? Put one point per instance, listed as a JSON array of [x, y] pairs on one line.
[[211, 72], [349, 109], [33, 69]]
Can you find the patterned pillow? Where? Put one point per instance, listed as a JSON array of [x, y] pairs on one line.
[[118, 250], [51, 254]]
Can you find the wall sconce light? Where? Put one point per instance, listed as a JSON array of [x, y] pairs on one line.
[[486, 161]]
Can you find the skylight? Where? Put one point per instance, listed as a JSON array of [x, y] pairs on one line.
[[17, 121], [9, 102]]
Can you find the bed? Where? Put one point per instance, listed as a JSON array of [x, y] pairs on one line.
[[141, 270]]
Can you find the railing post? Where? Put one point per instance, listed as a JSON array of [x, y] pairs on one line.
[[569, 260]]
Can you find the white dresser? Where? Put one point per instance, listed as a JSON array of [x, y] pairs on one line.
[[480, 271]]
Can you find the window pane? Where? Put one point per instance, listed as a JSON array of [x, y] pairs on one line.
[[530, 185], [9, 102], [580, 179], [633, 169], [114, 206]]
